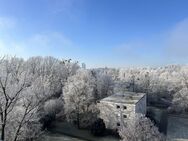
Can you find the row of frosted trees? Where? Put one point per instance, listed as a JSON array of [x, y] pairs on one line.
[[30, 91], [35, 91]]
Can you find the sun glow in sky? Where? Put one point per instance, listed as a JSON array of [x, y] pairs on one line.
[[113, 33]]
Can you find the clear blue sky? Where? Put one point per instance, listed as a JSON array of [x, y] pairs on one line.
[[113, 33]]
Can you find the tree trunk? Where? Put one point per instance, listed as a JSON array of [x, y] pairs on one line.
[[3, 121], [78, 120], [20, 125], [3, 132]]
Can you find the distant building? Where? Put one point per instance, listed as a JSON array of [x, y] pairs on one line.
[[119, 108], [83, 66]]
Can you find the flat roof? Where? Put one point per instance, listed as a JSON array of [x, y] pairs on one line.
[[127, 97]]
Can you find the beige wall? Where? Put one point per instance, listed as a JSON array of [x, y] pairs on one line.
[[113, 115]]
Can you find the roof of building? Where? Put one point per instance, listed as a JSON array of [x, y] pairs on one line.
[[127, 97]]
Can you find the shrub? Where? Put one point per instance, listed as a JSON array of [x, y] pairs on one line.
[[98, 128]]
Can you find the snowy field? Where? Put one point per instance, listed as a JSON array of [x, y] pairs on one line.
[[177, 129]]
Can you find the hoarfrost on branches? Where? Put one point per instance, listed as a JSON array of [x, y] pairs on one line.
[[140, 128]]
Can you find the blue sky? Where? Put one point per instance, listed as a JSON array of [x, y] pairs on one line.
[[112, 33]]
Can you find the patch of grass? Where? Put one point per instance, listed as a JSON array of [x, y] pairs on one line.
[[70, 130], [177, 128]]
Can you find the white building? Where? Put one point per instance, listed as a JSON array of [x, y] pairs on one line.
[[83, 66], [119, 108]]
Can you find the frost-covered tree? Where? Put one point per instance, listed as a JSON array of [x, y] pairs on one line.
[[17, 105], [70, 68], [23, 123], [104, 86], [52, 70], [26, 90], [121, 86], [180, 99], [159, 83], [13, 81], [52, 109], [140, 128], [53, 106], [79, 99]]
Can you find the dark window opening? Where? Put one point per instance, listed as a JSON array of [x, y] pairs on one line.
[[118, 124], [124, 116], [124, 107], [117, 106]]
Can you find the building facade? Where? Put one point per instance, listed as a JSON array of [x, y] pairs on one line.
[[117, 109]]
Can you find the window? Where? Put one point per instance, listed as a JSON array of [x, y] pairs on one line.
[[118, 124], [124, 116], [124, 107], [117, 106]]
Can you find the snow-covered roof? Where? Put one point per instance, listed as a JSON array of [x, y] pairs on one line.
[[127, 97]]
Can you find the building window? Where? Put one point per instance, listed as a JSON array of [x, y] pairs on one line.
[[118, 124], [124, 107], [124, 116], [117, 106]]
